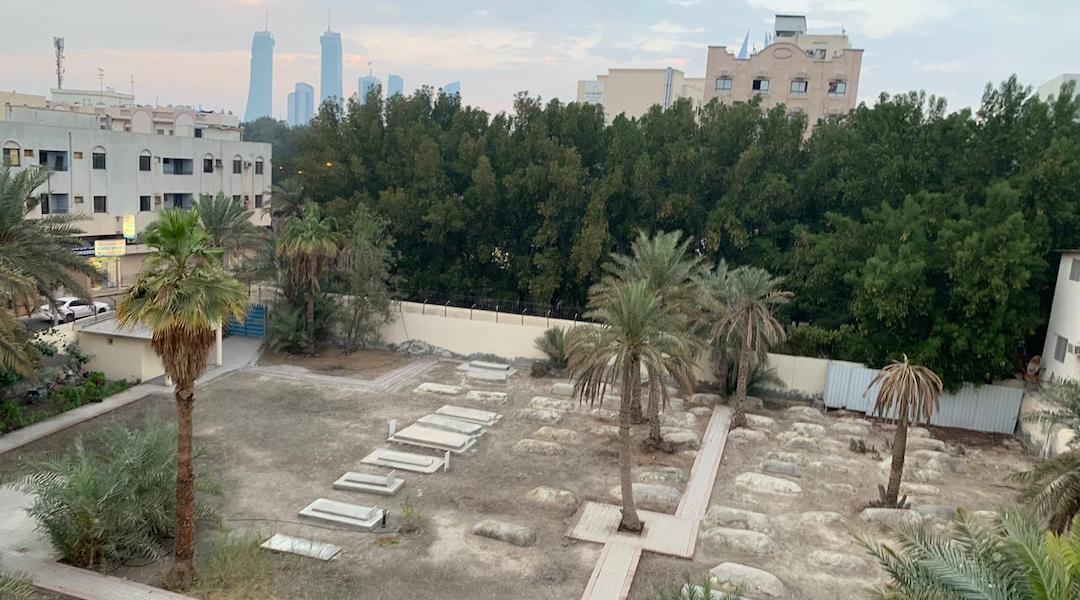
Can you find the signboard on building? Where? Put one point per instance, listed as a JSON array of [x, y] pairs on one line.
[[129, 227], [110, 247]]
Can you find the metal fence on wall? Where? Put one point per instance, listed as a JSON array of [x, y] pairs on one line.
[[513, 306], [990, 408]]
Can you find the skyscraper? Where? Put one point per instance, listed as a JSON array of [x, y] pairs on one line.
[[364, 86], [452, 89], [301, 105], [394, 85], [260, 87], [330, 80]]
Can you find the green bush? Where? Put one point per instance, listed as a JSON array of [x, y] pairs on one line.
[[237, 569], [689, 589], [16, 587], [11, 416], [553, 344], [110, 504]]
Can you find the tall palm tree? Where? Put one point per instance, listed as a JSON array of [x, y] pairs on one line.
[[1012, 559], [674, 274], [1053, 485], [911, 393], [308, 247], [635, 332], [182, 294], [287, 200], [37, 257], [229, 226], [748, 301]]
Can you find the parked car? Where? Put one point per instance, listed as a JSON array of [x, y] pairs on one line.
[[70, 308]]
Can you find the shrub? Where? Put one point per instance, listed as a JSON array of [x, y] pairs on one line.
[[411, 516], [107, 505], [76, 354], [16, 587], [553, 344], [11, 416], [689, 589], [237, 569], [540, 368]]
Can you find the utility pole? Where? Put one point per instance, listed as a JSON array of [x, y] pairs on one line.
[[58, 44]]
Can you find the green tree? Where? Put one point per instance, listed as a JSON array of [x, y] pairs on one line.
[[363, 270], [748, 300], [182, 294], [636, 332], [229, 226], [909, 393], [286, 201], [308, 247]]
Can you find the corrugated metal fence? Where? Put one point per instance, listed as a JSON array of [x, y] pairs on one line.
[[992, 408]]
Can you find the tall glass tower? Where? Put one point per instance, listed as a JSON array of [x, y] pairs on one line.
[[301, 105], [261, 85], [452, 89], [330, 80], [364, 86], [394, 85]]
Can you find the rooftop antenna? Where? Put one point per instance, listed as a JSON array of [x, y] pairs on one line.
[[328, 15], [58, 44], [267, 20], [370, 71], [133, 86], [101, 79]]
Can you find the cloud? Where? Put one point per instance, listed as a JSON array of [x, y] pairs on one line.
[[667, 27], [948, 66], [871, 18], [685, 3]]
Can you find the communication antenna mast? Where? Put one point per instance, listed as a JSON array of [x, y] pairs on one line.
[[133, 85], [101, 80], [58, 44]]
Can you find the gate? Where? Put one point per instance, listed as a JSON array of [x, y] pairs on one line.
[[253, 325]]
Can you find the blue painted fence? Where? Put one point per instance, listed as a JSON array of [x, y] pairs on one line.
[[253, 325], [990, 408]]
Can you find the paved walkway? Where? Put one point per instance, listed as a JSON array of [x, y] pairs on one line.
[[388, 382], [675, 535]]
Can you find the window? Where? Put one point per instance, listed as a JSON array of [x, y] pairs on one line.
[[177, 166], [1074, 270], [760, 86], [236, 198], [207, 165], [237, 166], [723, 84], [258, 200], [98, 160], [54, 160], [1061, 348], [144, 163], [258, 167], [11, 157], [837, 88], [28, 152], [77, 155], [181, 201], [816, 53], [78, 199], [56, 204], [198, 132], [44, 205], [161, 132], [798, 86], [144, 203], [247, 201], [100, 204]]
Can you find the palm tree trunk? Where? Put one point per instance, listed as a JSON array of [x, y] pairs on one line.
[[182, 574], [655, 439], [309, 321], [722, 376], [899, 449], [633, 382], [739, 418], [630, 520]]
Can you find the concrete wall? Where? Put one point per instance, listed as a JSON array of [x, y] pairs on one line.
[[634, 91], [1046, 440], [121, 357]]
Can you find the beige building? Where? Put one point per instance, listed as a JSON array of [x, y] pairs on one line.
[[814, 74], [633, 91]]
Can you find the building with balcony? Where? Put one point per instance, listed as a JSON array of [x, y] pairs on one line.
[[120, 165], [817, 75], [632, 92]]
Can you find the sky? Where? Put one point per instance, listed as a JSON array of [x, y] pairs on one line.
[[197, 52]]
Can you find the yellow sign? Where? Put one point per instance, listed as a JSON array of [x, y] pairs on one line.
[[110, 247], [129, 227]]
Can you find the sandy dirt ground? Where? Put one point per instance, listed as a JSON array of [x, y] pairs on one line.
[[273, 445]]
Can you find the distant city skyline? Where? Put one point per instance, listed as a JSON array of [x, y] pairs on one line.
[[301, 105], [260, 99], [330, 67], [950, 48]]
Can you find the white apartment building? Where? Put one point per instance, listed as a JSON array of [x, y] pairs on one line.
[[1052, 88], [632, 92], [1061, 352], [115, 162]]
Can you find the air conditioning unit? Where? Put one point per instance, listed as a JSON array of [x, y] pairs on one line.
[[217, 163], [247, 164], [1074, 349]]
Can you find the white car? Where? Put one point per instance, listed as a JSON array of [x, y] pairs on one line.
[[70, 308]]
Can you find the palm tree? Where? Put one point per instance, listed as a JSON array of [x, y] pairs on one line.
[[182, 294], [911, 393], [229, 226], [670, 271], [1012, 559], [308, 247], [748, 300], [1053, 485], [635, 332], [287, 200], [37, 257]]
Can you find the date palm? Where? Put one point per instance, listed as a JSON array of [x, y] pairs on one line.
[[37, 257], [1053, 485], [635, 332], [229, 226], [674, 274], [182, 294], [909, 393], [747, 300], [307, 248], [287, 200]]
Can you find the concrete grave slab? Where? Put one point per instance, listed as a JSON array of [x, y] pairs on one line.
[[562, 388], [405, 461], [288, 544], [486, 375], [485, 397], [343, 513], [450, 424], [439, 388], [387, 485], [491, 366], [481, 417], [436, 439], [545, 403]]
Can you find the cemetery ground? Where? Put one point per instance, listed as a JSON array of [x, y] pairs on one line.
[[273, 443]]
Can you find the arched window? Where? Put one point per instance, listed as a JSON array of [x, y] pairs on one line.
[[237, 165], [97, 159], [12, 156], [258, 165], [208, 163], [144, 160]]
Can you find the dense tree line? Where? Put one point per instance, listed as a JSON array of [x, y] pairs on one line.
[[900, 227]]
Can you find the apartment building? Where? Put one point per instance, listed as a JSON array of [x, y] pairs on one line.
[[810, 73], [119, 164], [632, 92]]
